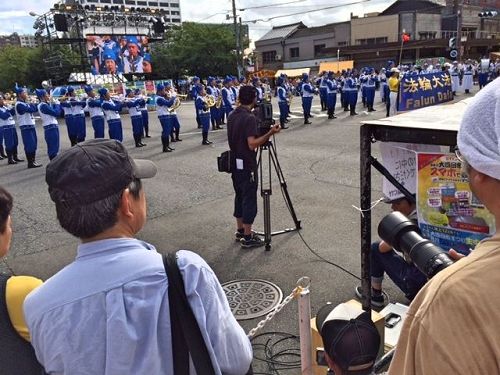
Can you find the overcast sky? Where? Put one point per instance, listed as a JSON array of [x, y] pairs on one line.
[[14, 14]]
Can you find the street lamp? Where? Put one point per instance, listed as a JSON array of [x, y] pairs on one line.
[[34, 14]]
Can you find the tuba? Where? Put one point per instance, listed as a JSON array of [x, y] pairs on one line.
[[209, 101], [177, 104]]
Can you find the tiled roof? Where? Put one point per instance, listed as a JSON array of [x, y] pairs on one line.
[[325, 29], [279, 32]]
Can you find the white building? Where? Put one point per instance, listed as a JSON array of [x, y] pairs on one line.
[[27, 41]]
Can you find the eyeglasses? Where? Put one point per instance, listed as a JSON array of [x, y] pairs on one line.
[[465, 165]]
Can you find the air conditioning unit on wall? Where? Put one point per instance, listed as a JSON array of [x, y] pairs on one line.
[[278, 58]]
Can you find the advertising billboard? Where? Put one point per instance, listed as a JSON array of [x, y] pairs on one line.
[[117, 54]]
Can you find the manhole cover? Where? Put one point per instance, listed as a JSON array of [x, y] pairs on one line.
[[249, 299]]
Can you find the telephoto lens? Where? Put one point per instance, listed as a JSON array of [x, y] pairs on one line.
[[403, 235]]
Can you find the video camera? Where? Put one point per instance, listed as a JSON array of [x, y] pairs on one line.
[[403, 235], [264, 113]]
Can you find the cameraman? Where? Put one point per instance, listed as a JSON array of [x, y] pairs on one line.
[[243, 138], [452, 324]]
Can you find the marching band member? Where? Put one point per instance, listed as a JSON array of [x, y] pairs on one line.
[[143, 106], [24, 114], [162, 105], [68, 116], [307, 97], [482, 76], [112, 113], [95, 112], [135, 117], [258, 85], [218, 90], [176, 126], [266, 89], [48, 114], [243, 81], [370, 87], [235, 88], [282, 101], [214, 111], [468, 80], [204, 114], [289, 92], [77, 106], [331, 94], [455, 80], [133, 61], [344, 100], [8, 126], [351, 92], [383, 82], [194, 94], [323, 90], [363, 77], [228, 99]]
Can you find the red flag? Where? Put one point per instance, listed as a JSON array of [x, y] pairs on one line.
[[405, 38]]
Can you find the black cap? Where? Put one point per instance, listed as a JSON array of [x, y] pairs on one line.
[[350, 338], [93, 170]]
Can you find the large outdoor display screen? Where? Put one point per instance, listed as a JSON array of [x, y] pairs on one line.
[[116, 54]]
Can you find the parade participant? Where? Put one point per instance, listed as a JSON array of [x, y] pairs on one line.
[[350, 339], [195, 82], [108, 312], [307, 97], [482, 76], [468, 80], [243, 81], [464, 294], [110, 62], [383, 82], [68, 116], [344, 97], [228, 100], [351, 92], [243, 138], [77, 106], [323, 90], [266, 89], [235, 88], [95, 112], [24, 114], [8, 125], [133, 61], [363, 77], [218, 90], [112, 113], [17, 355], [258, 86], [49, 114], [143, 106], [455, 77], [203, 114], [214, 111], [146, 63], [282, 101], [135, 116], [176, 126], [289, 93], [162, 105], [331, 94], [370, 87], [393, 84]]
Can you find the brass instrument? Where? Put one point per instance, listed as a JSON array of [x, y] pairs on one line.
[[209, 101], [267, 96], [218, 102], [177, 104], [182, 96]]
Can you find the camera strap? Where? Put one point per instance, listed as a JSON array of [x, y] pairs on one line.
[[186, 335]]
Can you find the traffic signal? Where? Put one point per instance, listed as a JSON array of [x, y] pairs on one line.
[[488, 14], [452, 43]]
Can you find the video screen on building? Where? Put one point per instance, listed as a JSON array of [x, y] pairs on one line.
[[116, 54]]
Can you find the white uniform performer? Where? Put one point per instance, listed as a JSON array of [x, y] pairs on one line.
[[468, 80], [455, 80]]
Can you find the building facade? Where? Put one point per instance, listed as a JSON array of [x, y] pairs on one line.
[[28, 41], [374, 29], [10, 40]]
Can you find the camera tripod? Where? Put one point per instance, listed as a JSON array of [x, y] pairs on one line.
[[266, 192]]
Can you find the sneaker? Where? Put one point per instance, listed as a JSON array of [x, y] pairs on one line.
[[377, 301], [254, 241], [238, 236]]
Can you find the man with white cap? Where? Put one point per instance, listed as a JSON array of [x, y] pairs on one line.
[[350, 339], [452, 324]]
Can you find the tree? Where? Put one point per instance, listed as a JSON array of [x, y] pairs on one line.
[[196, 49]]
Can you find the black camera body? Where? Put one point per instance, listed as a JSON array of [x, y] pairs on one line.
[[403, 235], [264, 113]]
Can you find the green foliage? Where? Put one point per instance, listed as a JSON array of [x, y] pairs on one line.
[[196, 49], [21, 65]]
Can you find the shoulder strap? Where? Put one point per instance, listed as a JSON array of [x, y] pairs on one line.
[[186, 334]]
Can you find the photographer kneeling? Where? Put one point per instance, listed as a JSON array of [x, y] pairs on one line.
[[243, 138]]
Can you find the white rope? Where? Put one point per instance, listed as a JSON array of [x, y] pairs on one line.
[[372, 206]]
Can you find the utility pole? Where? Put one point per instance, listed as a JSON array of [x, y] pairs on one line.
[[458, 11], [237, 36]]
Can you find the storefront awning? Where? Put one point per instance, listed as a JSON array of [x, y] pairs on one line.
[[292, 72], [336, 66]]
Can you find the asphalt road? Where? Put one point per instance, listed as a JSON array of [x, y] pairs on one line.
[[190, 207]]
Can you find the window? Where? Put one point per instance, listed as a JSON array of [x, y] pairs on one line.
[[370, 41], [269, 57], [176, 20], [153, 3], [106, 1], [174, 5], [130, 2], [117, 1], [164, 5], [318, 49], [144, 3], [342, 44], [294, 52], [175, 13]]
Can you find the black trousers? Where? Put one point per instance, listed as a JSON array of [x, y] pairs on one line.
[[245, 201]]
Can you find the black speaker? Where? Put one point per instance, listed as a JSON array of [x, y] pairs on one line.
[[158, 27], [60, 22]]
